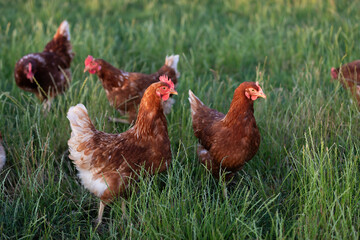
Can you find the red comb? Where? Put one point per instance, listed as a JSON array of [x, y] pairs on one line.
[[165, 79], [334, 73], [30, 67], [88, 60]]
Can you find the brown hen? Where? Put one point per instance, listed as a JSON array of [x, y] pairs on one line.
[[227, 142], [106, 162], [47, 74], [124, 90], [349, 77]]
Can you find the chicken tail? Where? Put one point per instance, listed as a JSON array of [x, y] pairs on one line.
[[195, 103], [63, 30], [79, 120], [60, 44], [82, 131], [172, 61]]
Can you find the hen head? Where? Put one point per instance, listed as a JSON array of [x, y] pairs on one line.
[[29, 71], [253, 90], [166, 88], [334, 73], [91, 65]]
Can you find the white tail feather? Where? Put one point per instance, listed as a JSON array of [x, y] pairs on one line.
[[172, 61], [80, 122], [82, 131], [64, 30]]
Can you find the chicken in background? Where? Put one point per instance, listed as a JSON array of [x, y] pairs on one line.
[[124, 90], [349, 77], [47, 74], [2, 153], [106, 162], [227, 142]]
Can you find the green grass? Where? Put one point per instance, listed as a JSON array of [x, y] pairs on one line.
[[302, 184]]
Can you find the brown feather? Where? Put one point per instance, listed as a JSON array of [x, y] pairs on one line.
[[115, 158], [51, 68], [349, 77], [124, 90], [226, 142]]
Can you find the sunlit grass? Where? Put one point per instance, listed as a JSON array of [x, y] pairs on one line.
[[303, 182]]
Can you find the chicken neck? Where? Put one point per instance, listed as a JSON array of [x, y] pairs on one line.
[[151, 119], [240, 108]]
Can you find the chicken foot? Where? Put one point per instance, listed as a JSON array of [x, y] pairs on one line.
[[101, 212]]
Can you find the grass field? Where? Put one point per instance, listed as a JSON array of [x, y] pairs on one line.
[[302, 184]]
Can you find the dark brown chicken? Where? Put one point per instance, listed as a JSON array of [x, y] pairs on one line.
[[47, 74], [349, 77], [227, 142], [124, 90], [106, 162]]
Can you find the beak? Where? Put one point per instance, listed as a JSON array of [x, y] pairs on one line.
[[173, 91], [261, 94], [86, 69]]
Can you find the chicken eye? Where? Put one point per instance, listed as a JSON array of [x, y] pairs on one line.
[[163, 88]]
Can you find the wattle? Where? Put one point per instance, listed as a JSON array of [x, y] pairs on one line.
[[165, 97]]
